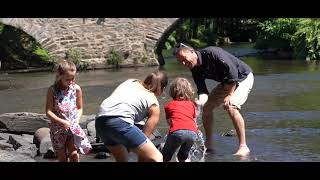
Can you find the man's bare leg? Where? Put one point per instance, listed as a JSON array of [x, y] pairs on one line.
[[239, 125], [208, 123]]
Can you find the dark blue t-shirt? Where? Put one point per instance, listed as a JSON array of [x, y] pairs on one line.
[[219, 65]]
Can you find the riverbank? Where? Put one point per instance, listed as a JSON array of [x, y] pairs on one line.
[[25, 137], [237, 49]]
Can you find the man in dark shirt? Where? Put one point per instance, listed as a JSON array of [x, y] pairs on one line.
[[236, 80]]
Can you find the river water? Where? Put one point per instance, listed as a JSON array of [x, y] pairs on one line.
[[282, 113]]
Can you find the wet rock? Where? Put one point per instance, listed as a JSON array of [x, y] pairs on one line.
[[12, 156], [4, 145], [45, 145], [17, 141], [28, 138], [39, 135], [102, 155], [155, 135], [99, 147], [23, 122], [86, 131], [92, 139], [29, 150], [85, 119], [4, 136], [50, 154], [231, 132], [91, 129]]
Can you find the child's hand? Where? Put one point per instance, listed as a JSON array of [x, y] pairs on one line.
[[66, 125]]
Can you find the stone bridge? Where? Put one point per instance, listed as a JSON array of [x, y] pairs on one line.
[[139, 40]]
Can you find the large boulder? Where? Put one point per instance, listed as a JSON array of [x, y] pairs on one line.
[[17, 141], [12, 156], [85, 119], [4, 136], [27, 122], [39, 135], [22, 145], [5, 146], [45, 145], [28, 138], [23, 122], [91, 128], [50, 154], [29, 150]]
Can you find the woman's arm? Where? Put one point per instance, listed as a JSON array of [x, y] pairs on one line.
[[50, 114], [79, 103], [153, 119]]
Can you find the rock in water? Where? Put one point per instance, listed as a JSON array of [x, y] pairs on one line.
[[23, 122]]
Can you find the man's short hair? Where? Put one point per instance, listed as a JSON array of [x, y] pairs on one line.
[[181, 46]]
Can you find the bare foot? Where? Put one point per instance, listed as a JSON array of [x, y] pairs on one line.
[[242, 151]]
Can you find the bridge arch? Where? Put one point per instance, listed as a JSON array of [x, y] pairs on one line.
[[141, 39]]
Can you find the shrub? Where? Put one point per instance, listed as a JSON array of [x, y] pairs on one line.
[[42, 53], [114, 58], [306, 41], [74, 55]]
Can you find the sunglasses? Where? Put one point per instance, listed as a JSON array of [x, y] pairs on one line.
[[182, 45]]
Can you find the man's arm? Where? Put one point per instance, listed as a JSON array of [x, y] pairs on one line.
[[199, 79], [230, 89]]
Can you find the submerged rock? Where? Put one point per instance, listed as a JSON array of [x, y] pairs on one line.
[[231, 132]]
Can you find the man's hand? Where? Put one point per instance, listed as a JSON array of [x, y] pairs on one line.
[[203, 98], [226, 103]]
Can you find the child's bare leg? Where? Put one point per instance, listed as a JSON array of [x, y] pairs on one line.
[[62, 155], [72, 151]]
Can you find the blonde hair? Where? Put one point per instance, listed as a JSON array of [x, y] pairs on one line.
[[156, 82], [63, 67], [181, 89]]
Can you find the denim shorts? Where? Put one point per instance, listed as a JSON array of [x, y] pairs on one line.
[[114, 131], [183, 138]]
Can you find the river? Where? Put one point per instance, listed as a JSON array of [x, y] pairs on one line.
[[282, 113]]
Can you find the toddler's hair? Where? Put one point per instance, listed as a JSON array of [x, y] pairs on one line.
[[63, 67], [181, 89], [156, 82]]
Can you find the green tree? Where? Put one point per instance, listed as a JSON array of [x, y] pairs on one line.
[[306, 40]]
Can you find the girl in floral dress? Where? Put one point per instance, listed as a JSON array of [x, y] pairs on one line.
[[64, 108]]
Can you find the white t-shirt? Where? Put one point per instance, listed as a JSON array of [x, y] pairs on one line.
[[130, 101]]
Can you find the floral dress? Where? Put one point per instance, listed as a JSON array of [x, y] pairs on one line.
[[65, 107]]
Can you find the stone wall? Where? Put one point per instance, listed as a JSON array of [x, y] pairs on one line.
[[134, 38]]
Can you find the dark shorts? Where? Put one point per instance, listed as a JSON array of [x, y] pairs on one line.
[[114, 131], [180, 138]]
